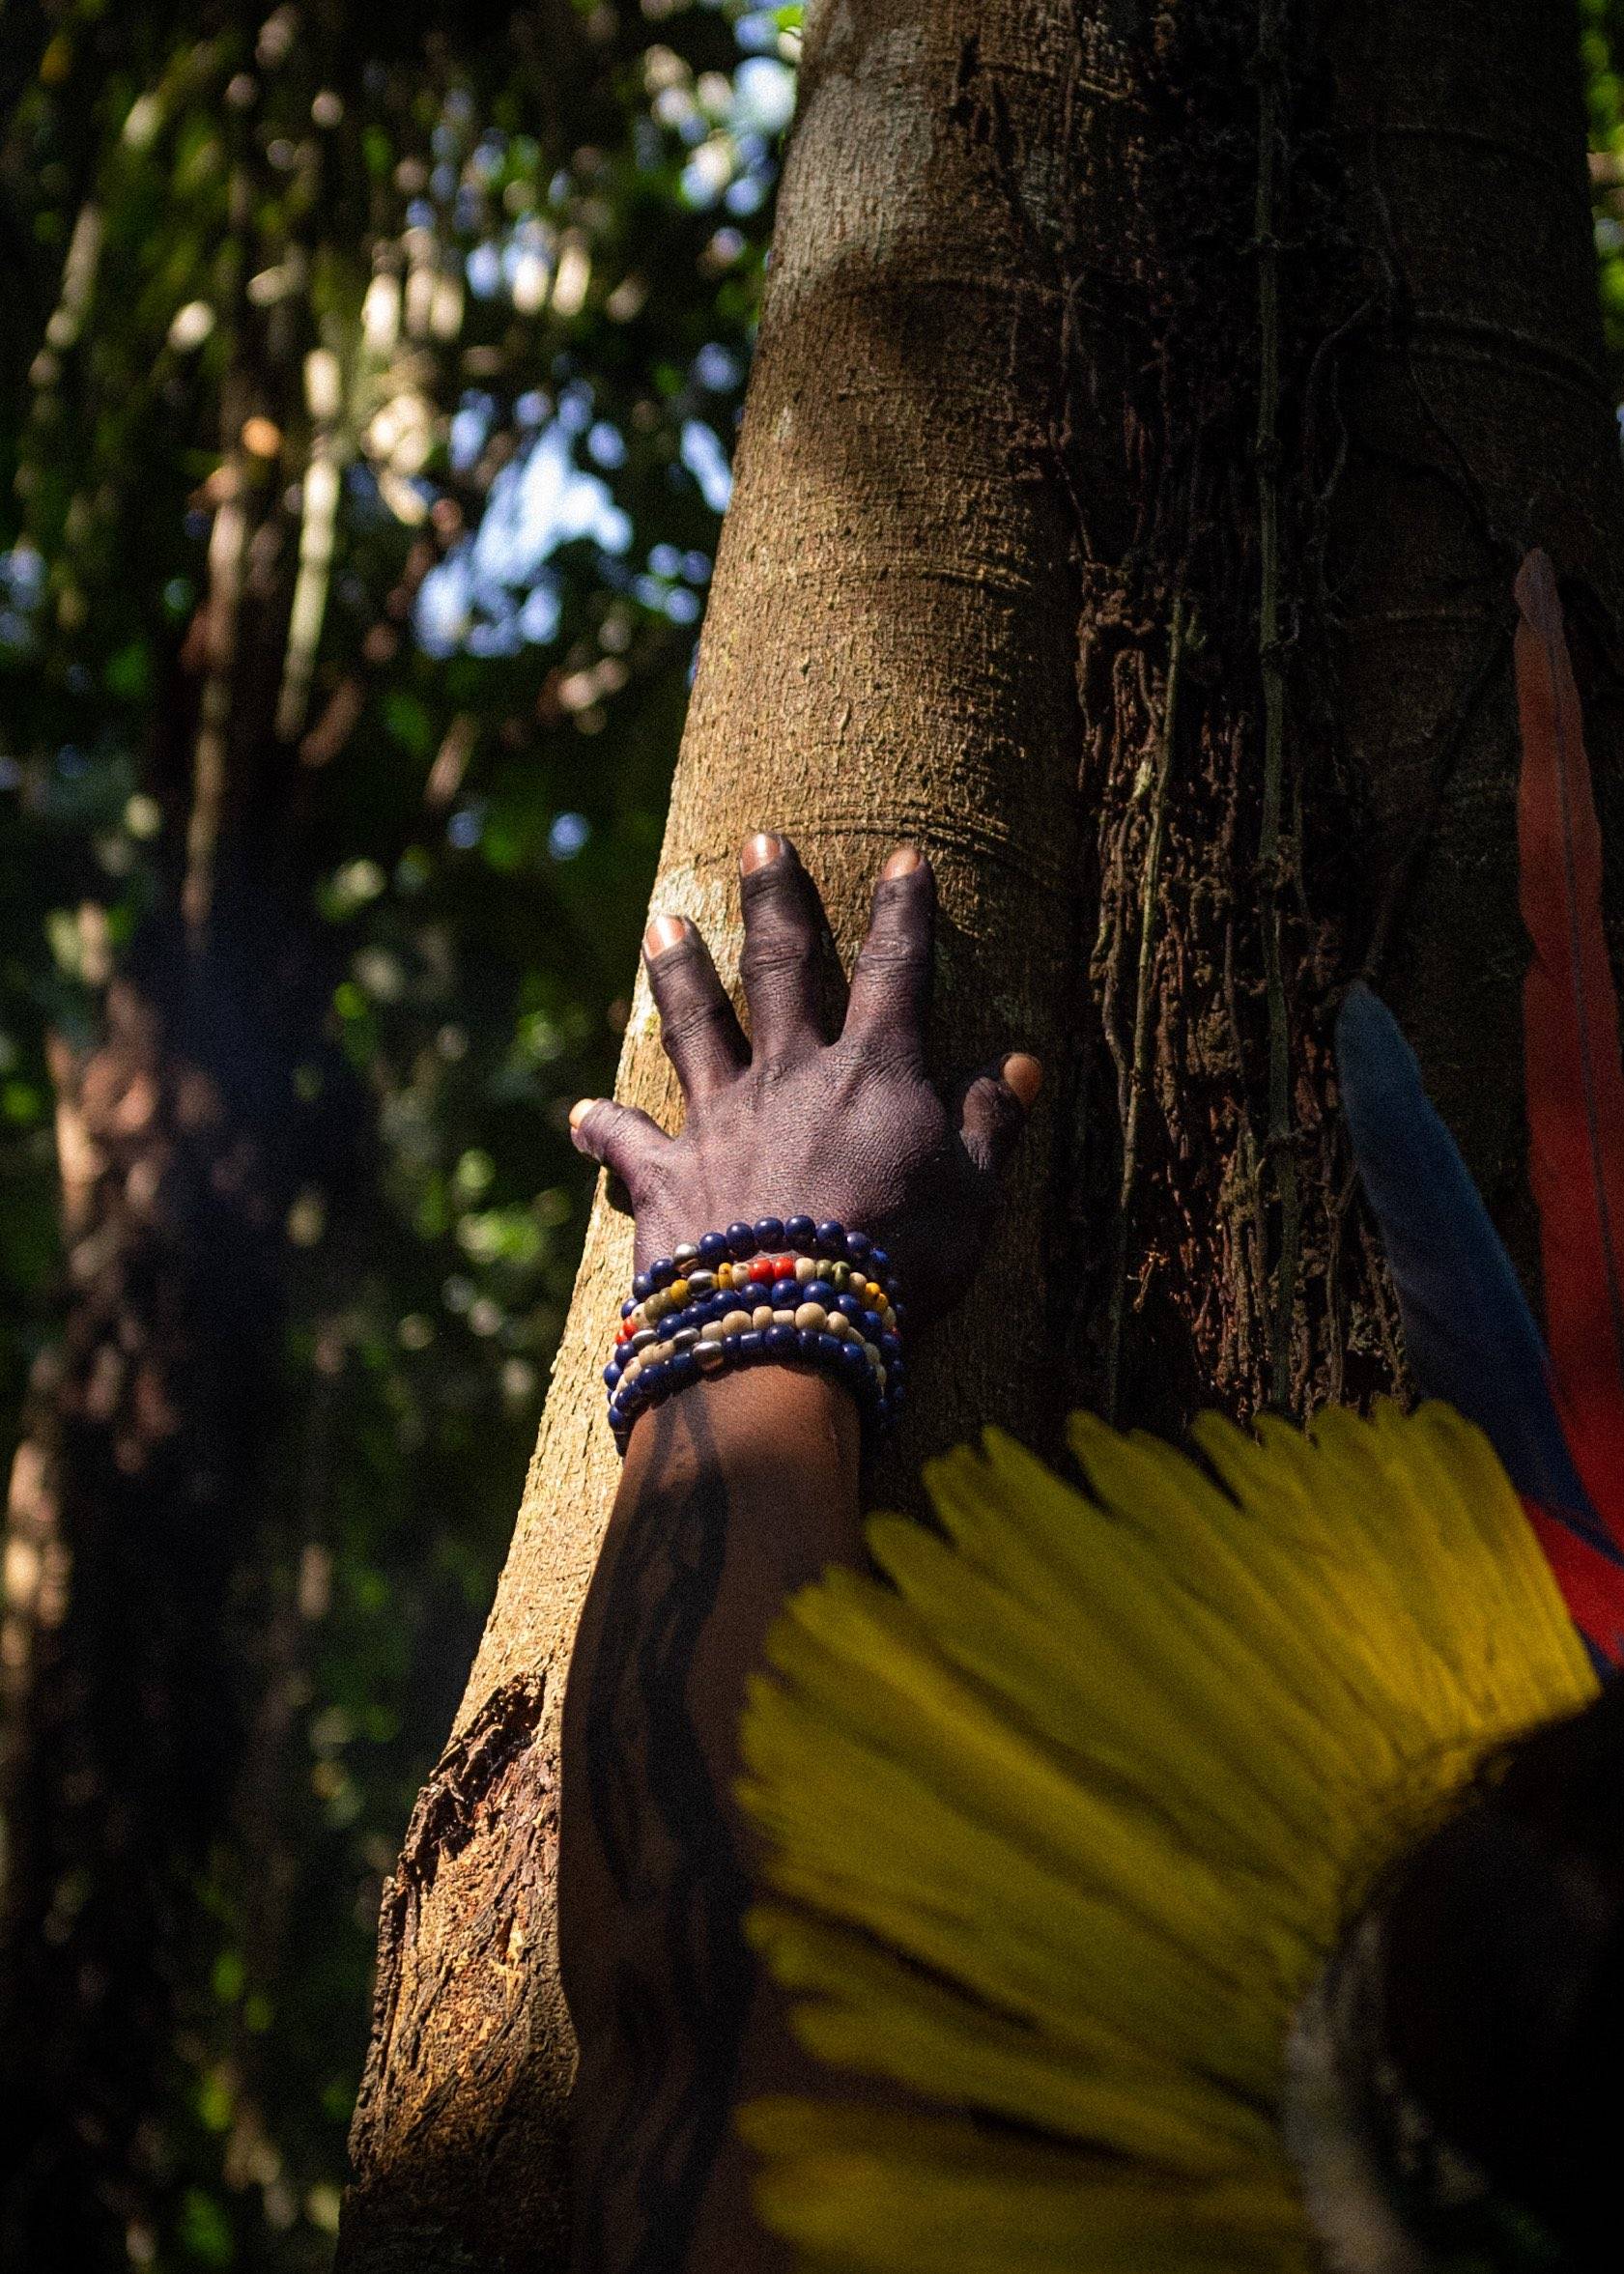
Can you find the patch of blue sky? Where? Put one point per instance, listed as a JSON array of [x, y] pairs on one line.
[[606, 445], [707, 461], [490, 593], [715, 369], [471, 425], [763, 95], [484, 272], [567, 835]]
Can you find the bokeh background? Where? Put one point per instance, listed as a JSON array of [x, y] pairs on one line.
[[371, 382], [443, 314]]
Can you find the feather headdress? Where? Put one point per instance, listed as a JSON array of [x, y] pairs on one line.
[[1065, 1817], [1555, 1415]]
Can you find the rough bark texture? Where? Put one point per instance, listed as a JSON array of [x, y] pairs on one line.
[[1151, 404]]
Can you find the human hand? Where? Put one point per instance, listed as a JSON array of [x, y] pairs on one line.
[[793, 1123]]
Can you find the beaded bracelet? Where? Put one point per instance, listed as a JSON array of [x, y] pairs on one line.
[[763, 1293]]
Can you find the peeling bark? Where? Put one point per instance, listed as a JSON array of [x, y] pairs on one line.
[[1082, 324]]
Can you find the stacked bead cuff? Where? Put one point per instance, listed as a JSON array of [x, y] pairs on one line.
[[766, 1293]]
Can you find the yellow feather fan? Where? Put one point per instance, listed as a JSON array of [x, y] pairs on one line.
[[1066, 1815]]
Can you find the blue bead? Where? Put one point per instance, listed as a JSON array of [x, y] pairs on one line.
[[854, 1358], [713, 1248], [611, 1375], [769, 1231], [896, 1373], [897, 1397], [897, 1311], [781, 1342], [817, 1291], [858, 1245], [682, 1369], [662, 1272], [785, 1294], [730, 1346], [829, 1346], [722, 1305], [850, 1306], [642, 1286], [832, 1236], [880, 1261], [652, 1380], [809, 1339], [891, 1346], [750, 1345], [741, 1241], [628, 1306], [802, 1233], [872, 1327]]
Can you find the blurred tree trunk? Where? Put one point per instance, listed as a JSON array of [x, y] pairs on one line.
[[1150, 410], [136, 1512]]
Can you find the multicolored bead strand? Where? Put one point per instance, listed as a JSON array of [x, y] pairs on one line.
[[772, 1292]]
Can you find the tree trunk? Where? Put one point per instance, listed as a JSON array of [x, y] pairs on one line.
[[137, 1520], [1098, 524]]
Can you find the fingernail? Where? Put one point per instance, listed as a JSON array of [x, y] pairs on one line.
[[579, 1110], [1024, 1075], [902, 862], [666, 931], [760, 849]]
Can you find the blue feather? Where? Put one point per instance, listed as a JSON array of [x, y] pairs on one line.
[[1467, 1329]]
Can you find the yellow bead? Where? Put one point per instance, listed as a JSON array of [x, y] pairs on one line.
[[676, 1295]]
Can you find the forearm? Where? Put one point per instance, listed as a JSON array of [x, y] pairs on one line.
[[734, 1494]]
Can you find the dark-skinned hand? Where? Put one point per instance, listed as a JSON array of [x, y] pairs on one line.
[[796, 1122]]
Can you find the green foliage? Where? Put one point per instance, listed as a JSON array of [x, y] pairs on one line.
[[460, 322]]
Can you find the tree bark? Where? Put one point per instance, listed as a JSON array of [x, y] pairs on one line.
[[1150, 406]]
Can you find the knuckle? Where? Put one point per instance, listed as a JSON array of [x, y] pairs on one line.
[[772, 957], [894, 956], [690, 1017]]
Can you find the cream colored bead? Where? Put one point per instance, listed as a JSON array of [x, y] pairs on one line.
[[812, 1317], [712, 1330], [840, 1325], [736, 1323], [782, 1319], [806, 1268], [761, 1318]]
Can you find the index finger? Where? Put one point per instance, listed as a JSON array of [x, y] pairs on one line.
[[891, 984]]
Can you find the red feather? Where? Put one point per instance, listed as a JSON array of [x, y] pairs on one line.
[[1591, 1586], [1574, 1080]]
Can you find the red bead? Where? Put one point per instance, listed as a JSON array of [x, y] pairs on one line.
[[623, 1333], [763, 1267], [783, 1267]]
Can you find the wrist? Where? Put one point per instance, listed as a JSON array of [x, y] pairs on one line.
[[798, 1294], [771, 1417]]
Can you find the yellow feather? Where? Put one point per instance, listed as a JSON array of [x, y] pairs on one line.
[[1067, 1810]]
